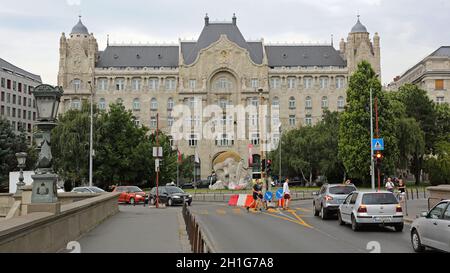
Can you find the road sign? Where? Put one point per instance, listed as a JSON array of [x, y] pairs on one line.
[[378, 144], [268, 196], [279, 193], [157, 152]]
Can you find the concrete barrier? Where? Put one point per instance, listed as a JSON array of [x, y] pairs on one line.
[[47, 232], [438, 193]]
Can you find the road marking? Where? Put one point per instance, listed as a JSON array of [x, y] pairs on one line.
[[237, 211], [304, 210], [221, 211], [301, 220], [203, 212]]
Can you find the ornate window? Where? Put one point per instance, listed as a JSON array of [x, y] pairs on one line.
[[224, 140], [153, 83], [153, 122], [136, 83], [76, 104], [102, 84], [120, 84], [102, 104], [153, 104], [76, 83], [323, 82], [308, 102], [136, 105], [340, 102], [291, 82], [254, 83], [291, 103], [223, 84], [170, 104], [340, 82], [324, 102], [292, 120], [275, 82], [170, 83], [308, 82], [192, 84]]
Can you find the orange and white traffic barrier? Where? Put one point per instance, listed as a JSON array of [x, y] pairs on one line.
[[281, 202], [242, 200], [233, 200]]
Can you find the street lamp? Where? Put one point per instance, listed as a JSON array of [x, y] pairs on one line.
[[44, 181], [21, 159]]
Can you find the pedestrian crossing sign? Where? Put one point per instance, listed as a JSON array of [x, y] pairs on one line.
[[378, 144]]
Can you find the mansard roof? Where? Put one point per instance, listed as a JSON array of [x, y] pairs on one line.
[[139, 56], [303, 55], [443, 51]]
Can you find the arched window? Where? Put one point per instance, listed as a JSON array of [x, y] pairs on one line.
[[102, 104], [76, 83], [291, 103], [153, 104], [308, 102], [275, 102], [324, 102], [136, 105], [76, 104], [340, 102], [170, 104]]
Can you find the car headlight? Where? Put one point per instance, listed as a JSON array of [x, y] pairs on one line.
[[175, 196], [190, 196]]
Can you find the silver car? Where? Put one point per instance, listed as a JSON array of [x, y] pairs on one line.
[[328, 199], [371, 208], [87, 190], [432, 229]]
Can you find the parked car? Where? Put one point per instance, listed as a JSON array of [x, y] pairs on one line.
[[87, 190], [131, 194], [326, 202], [371, 208], [170, 195], [432, 229]]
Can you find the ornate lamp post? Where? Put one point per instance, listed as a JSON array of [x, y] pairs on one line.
[[21, 159], [44, 181]]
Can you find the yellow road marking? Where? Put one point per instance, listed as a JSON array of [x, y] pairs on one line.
[[304, 210], [284, 218], [237, 211], [301, 220], [221, 211], [203, 212]]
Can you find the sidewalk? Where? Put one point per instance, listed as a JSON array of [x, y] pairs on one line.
[[139, 229], [414, 207]]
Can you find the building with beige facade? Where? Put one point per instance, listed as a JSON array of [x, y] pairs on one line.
[[431, 74], [221, 67]]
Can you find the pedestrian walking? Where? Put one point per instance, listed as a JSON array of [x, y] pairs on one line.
[[390, 185], [401, 188], [257, 195], [286, 194]]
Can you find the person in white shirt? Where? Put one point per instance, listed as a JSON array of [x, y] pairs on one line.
[[286, 194], [390, 185]]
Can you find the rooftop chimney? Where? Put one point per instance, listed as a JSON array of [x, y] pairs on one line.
[[234, 19], [206, 20]]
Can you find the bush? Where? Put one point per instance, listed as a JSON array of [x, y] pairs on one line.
[[438, 167]]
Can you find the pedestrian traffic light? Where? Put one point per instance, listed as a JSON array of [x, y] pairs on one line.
[[268, 166], [263, 165]]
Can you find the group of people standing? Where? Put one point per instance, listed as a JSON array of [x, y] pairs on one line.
[[398, 184], [258, 198]]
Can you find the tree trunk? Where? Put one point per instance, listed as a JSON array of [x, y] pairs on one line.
[[416, 168]]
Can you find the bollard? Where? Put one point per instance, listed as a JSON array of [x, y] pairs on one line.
[[417, 193]]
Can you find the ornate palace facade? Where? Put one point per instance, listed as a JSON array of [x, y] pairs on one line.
[[222, 68]]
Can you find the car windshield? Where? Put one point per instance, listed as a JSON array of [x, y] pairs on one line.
[[174, 190], [342, 189], [95, 189], [134, 189], [379, 199]]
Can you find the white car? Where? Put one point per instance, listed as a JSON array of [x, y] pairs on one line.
[[87, 190], [432, 229], [371, 208]]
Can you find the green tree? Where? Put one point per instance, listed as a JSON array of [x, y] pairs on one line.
[[70, 145], [411, 142], [354, 127], [438, 166], [10, 144]]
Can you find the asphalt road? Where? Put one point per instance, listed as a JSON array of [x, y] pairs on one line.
[[232, 229]]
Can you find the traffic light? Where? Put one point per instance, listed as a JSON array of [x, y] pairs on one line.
[[268, 166], [378, 157], [263, 165]]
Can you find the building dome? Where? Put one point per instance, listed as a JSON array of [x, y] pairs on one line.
[[79, 28], [358, 27]]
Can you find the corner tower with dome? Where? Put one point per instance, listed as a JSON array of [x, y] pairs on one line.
[[221, 68]]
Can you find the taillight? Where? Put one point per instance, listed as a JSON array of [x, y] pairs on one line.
[[328, 198], [399, 208], [362, 209]]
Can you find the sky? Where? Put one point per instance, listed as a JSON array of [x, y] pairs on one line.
[[409, 29]]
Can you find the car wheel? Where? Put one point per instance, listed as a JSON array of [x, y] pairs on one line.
[[399, 228], [132, 201], [340, 218], [415, 241], [323, 213], [355, 225], [316, 212], [169, 202]]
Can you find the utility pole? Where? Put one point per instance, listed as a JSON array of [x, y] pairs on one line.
[[157, 159], [261, 142], [279, 147], [372, 163], [377, 136], [91, 148]]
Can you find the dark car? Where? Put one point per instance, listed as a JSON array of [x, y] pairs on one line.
[[170, 195]]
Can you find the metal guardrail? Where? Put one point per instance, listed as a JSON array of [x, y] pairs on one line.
[[196, 238]]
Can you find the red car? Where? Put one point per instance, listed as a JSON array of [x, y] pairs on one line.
[[130, 194]]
